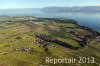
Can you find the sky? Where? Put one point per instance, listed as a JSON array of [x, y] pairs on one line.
[[12, 4]]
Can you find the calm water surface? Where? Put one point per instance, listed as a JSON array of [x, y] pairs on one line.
[[86, 19]]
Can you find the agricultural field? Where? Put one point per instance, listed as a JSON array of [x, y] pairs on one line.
[[27, 41]]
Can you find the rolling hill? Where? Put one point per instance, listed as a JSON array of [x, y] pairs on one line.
[[28, 40]]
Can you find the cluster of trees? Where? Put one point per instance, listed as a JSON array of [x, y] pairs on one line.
[[94, 33], [60, 20], [54, 40]]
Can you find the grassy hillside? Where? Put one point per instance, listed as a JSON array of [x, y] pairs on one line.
[[27, 41]]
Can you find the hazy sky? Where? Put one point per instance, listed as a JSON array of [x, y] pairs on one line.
[[8, 4]]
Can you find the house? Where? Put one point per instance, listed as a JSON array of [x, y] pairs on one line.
[[98, 39]]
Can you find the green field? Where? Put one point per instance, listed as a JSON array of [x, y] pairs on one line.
[[18, 46]]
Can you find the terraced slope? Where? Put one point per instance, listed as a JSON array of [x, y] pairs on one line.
[[27, 41]]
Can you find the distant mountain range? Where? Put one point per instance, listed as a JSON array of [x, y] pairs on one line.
[[20, 11], [72, 9], [51, 10]]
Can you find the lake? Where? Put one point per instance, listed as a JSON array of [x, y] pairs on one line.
[[83, 18]]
